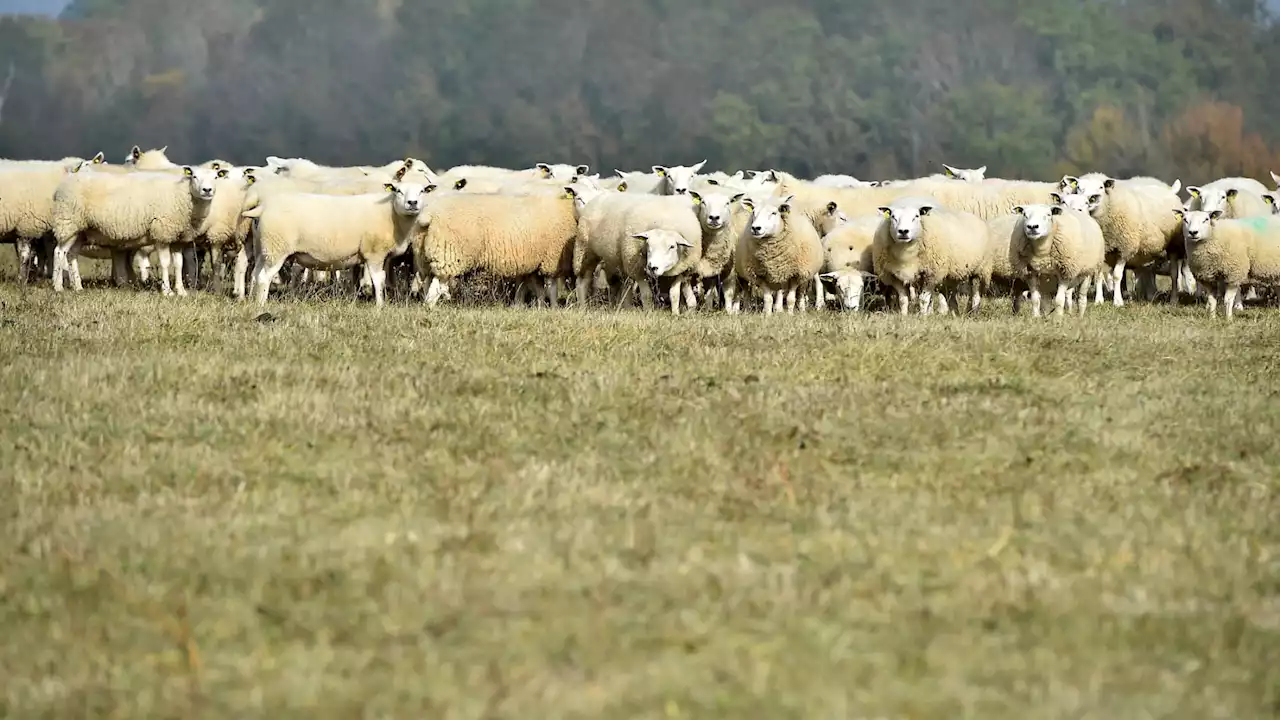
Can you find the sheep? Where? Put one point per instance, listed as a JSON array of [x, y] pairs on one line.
[[1091, 183], [335, 232], [921, 244], [1270, 200], [715, 213], [609, 226], [967, 175], [26, 208], [1056, 245], [780, 252], [1224, 253], [999, 262], [224, 228], [154, 159], [66, 163], [562, 172], [128, 212], [675, 179], [847, 257], [512, 236], [1136, 225]]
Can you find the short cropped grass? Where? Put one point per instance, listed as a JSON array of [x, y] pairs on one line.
[[334, 511]]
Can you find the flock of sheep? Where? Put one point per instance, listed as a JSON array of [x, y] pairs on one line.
[[694, 237]]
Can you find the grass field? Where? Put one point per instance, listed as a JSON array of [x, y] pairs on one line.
[[480, 512]]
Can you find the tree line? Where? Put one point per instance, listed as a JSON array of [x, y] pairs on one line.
[[1029, 88]]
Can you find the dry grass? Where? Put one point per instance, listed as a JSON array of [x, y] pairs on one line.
[[477, 513]]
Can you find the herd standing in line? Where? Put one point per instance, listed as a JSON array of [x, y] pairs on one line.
[[691, 237]]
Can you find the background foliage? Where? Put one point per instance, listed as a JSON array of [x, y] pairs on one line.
[[1031, 88]]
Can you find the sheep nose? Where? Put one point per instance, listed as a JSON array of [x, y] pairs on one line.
[[682, 191], [756, 229], [902, 233], [714, 219]]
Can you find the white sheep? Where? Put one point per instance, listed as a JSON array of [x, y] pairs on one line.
[[67, 163], [1136, 224], [128, 212], [1225, 254], [511, 236], [955, 173], [1058, 247], [675, 179], [335, 232], [920, 244], [562, 172], [715, 213], [154, 159], [780, 253], [847, 257]]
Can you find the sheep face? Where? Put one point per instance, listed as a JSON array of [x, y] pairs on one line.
[[1037, 220], [968, 175], [561, 171], [768, 217], [676, 179], [1270, 200], [1197, 225], [905, 222], [662, 250], [135, 154], [408, 199], [713, 209], [831, 218], [202, 181], [581, 194], [1212, 198], [1071, 200], [849, 283]]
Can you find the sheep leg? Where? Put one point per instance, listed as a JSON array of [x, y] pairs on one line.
[[1033, 282], [178, 259], [926, 301], [1229, 300], [267, 270], [241, 267], [142, 265], [790, 298], [73, 272], [551, 286], [378, 277], [646, 294], [729, 291], [1060, 299], [975, 296], [1239, 304], [1117, 277], [690, 300], [434, 291], [1175, 279], [673, 295], [1099, 282], [1212, 291], [22, 247], [522, 293], [768, 301]]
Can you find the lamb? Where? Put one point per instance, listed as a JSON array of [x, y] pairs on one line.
[[154, 159], [511, 236], [847, 257], [336, 232], [128, 212], [1224, 253], [1058, 246], [922, 245], [1137, 225], [779, 253]]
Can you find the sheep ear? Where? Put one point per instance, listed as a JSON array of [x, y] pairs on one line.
[[1019, 210], [885, 212], [544, 168], [583, 169], [697, 199], [950, 171], [831, 207], [681, 240], [389, 187], [1194, 191], [164, 149], [925, 210], [1055, 210], [1055, 197], [136, 152], [1071, 181], [1179, 213], [98, 159], [187, 171], [462, 182], [1176, 185], [430, 188], [737, 197], [698, 167], [1215, 214], [1232, 193], [641, 236], [1275, 178], [1269, 199], [874, 183], [400, 173], [570, 193], [408, 162], [784, 209], [215, 165], [773, 177], [747, 203], [982, 170], [222, 173], [250, 179], [1109, 183], [1094, 199], [622, 186], [659, 170]]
